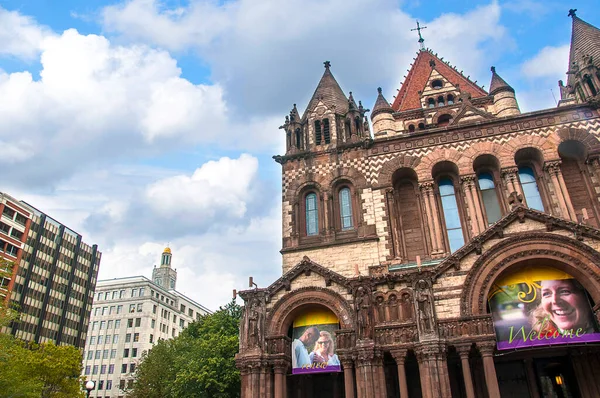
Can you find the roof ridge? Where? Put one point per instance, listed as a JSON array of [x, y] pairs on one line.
[[329, 91]]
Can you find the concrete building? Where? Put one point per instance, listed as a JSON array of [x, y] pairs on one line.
[[433, 247], [53, 276], [129, 316]]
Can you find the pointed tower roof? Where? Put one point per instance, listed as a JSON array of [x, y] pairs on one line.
[[381, 105], [585, 40], [329, 92], [498, 84], [408, 97]]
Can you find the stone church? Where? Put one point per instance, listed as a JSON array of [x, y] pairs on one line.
[[455, 243]]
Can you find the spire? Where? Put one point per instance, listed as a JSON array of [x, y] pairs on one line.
[[585, 46], [381, 105], [498, 84], [329, 92]]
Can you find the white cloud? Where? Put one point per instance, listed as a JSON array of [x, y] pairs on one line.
[[549, 62], [20, 35], [266, 54]]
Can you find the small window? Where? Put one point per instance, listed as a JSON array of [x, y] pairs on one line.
[[490, 199], [431, 103], [450, 100], [326, 134], [312, 217], [411, 128], [451, 214], [437, 84], [346, 209], [444, 120], [441, 101], [318, 136], [421, 126], [530, 189]]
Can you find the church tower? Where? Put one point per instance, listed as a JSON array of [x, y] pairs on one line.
[[165, 276]]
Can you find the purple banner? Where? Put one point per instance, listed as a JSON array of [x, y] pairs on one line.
[[539, 307], [317, 369]]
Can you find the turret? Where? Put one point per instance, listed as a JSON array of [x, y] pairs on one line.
[[382, 117], [165, 276], [505, 101], [583, 81]]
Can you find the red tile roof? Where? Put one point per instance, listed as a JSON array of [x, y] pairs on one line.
[[408, 97]]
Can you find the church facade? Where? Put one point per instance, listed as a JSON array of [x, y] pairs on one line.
[[452, 251]]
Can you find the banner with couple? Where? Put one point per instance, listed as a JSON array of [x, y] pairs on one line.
[[313, 342]]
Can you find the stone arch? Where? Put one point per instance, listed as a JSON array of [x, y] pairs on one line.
[[465, 165], [301, 185], [282, 314], [439, 113], [591, 143], [384, 179], [547, 147], [561, 252], [345, 173], [426, 165]]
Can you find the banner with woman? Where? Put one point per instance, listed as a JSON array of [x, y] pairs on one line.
[[541, 306], [313, 342]]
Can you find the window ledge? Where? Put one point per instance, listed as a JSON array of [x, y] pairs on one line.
[[341, 238]]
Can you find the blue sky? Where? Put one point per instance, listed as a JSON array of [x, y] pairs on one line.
[[142, 122]]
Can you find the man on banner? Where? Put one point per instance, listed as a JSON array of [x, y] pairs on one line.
[[308, 338]]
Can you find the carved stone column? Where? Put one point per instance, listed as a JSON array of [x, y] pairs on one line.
[[364, 371], [326, 212], [379, 386], [399, 356], [489, 369], [393, 223], [348, 366], [468, 184], [266, 381], [464, 350], [280, 369], [433, 369], [553, 168], [246, 388], [511, 181]]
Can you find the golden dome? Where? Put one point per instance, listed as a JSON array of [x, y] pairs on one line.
[[167, 250]]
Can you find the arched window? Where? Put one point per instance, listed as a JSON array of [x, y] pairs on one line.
[[431, 103], [451, 215], [450, 99], [440, 101], [490, 198], [326, 134], [312, 214], [298, 139], [346, 209], [437, 84], [590, 84], [530, 188], [444, 120], [317, 132], [421, 126], [411, 128]]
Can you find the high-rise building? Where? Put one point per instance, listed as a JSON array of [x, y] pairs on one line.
[[53, 275], [430, 256], [129, 316]]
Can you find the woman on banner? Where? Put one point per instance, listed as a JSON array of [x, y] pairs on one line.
[[564, 309], [324, 350]]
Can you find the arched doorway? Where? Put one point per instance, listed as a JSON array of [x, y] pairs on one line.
[[316, 367]]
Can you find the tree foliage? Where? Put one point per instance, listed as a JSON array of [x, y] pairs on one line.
[[200, 362]]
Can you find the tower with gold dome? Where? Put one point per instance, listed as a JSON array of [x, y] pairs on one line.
[[165, 276]]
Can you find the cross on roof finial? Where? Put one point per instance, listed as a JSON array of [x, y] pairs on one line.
[[419, 28], [327, 64], [572, 12]]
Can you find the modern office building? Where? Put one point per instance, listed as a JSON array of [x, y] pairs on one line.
[[452, 251], [53, 275], [129, 316]]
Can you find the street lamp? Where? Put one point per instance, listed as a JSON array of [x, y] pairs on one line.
[[89, 386]]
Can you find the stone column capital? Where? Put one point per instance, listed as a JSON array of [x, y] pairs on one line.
[[552, 167], [399, 354], [280, 366], [426, 187], [463, 349], [468, 180], [486, 348]]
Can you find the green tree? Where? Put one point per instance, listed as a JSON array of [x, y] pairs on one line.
[[58, 368], [200, 362]]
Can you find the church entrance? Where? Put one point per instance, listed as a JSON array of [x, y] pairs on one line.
[[318, 385], [551, 377]]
